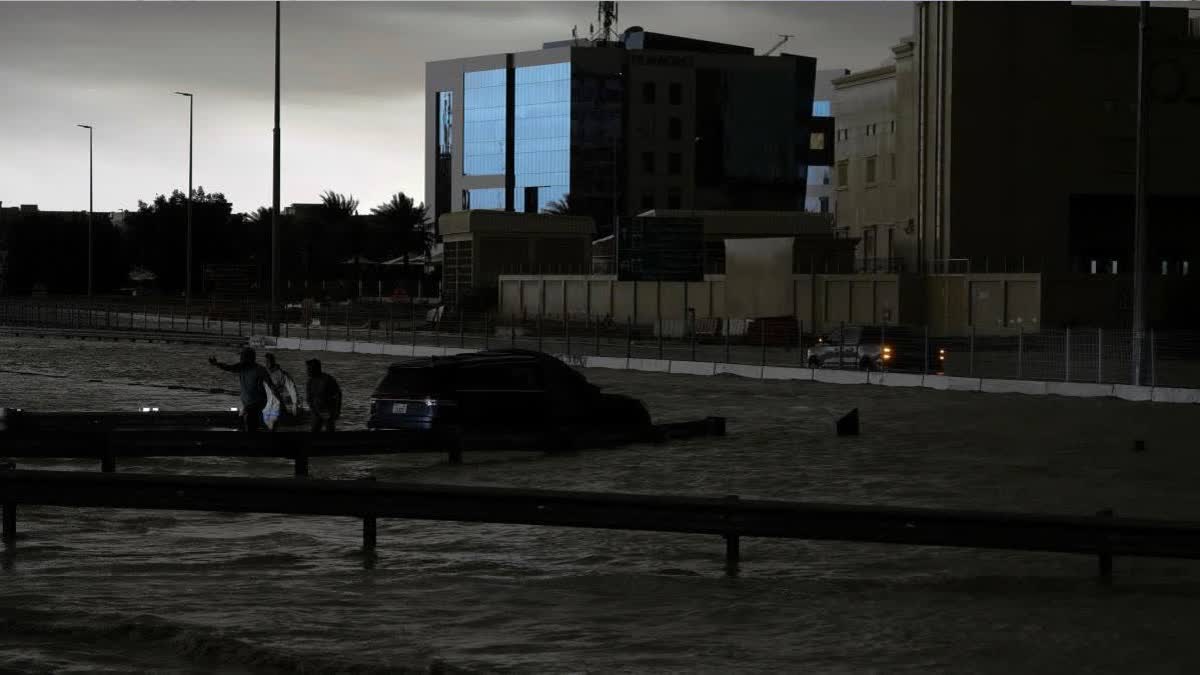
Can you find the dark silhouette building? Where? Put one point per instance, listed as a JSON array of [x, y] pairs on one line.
[[647, 121]]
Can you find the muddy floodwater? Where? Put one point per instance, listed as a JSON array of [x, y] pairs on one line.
[[122, 590]]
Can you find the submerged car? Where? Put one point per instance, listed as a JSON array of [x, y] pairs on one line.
[[877, 348], [505, 389]]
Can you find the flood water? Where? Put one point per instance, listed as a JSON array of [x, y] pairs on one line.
[[88, 590]]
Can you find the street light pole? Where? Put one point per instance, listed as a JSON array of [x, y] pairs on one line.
[[275, 196], [187, 284], [91, 194], [1139, 214]]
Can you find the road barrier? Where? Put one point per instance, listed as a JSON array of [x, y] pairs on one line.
[[732, 518]]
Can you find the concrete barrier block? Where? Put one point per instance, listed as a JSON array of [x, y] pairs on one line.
[[834, 376], [616, 363], [426, 350], [1133, 393], [786, 373], [738, 369], [962, 383], [398, 350], [693, 367], [343, 346], [368, 348], [1030, 387], [897, 379], [650, 365], [1079, 389], [287, 343], [450, 351], [310, 345], [1175, 395]]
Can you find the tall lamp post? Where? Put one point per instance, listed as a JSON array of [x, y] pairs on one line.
[[1139, 217], [90, 203], [275, 195], [187, 284]]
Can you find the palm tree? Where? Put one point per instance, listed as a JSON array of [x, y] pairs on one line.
[[565, 206], [406, 225], [338, 213]]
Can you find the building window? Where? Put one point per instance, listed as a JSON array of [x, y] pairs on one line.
[[816, 140], [647, 201], [445, 123], [843, 173], [1093, 267], [648, 162], [892, 127], [892, 161], [483, 198], [484, 118], [1185, 268], [843, 134], [871, 170], [824, 204], [675, 93], [674, 128], [674, 199], [821, 109], [674, 163], [817, 175], [648, 93], [871, 130], [1165, 267], [541, 134], [1112, 266]]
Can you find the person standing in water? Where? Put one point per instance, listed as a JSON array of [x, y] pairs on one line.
[[255, 383], [324, 397], [281, 394]]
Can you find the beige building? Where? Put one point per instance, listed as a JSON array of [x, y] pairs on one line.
[[875, 163], [481, 245]]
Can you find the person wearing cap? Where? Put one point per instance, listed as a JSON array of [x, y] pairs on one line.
[[253, 378], [324, 397]]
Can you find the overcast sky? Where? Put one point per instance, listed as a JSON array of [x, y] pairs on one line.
[[352, 85]]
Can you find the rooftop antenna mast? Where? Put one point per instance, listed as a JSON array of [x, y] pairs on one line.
[[606, 14], [779, 44]]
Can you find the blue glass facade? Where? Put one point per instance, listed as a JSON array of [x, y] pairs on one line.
[[484, 118], [822, 109], [484, 198], [542, 133]]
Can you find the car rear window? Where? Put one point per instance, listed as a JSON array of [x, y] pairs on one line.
[[411, 382]]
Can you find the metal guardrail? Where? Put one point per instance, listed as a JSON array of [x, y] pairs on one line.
[[107, 446], [731, 518]]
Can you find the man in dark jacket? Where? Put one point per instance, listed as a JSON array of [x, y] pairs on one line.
[[324, 397], [253, 378]]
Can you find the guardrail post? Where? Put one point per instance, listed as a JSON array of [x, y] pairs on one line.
[[512, 338], [539, 331], [370, 310], [567, 333], [462, 337], [733, 548], [1099, 356], [486, 338], [301, 458], [108, 463], [348, 306], [596, 327], [8, 534], [763, 331], [412, 322], [726, 331], [369, 529], [1105, 551], [1067, 348]]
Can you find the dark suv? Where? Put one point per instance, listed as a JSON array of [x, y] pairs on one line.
[[503, 389]]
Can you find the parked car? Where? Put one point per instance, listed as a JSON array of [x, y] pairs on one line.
[[505, 389], [877, 348]]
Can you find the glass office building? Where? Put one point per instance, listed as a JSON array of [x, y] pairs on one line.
[[542, 133]]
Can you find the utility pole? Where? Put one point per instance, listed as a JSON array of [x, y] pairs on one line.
[[275, 196], [91, 193], [187, 284], [1139, 216]]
